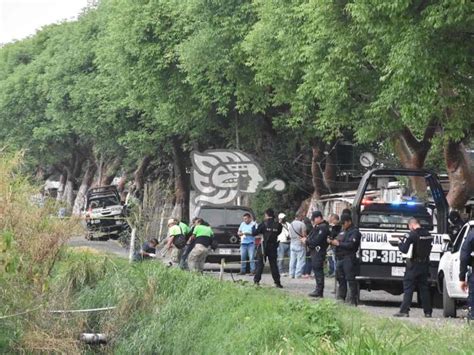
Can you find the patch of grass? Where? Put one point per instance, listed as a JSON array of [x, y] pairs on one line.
[[163, 310]]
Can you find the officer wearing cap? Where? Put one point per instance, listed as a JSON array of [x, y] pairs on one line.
[[417, 267], [347, 244], [466, 260], [318, 245]]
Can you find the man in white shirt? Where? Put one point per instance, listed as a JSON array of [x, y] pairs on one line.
[[284, 245], [297, 247]]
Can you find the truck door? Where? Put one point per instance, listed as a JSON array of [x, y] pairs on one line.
[[455, 265]]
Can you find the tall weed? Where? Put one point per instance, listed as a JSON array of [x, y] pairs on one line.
[[31, 239]]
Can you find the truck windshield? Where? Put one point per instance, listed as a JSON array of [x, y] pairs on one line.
[[390, 201], [219, 217], [214, 216], [235, 217], [103, 202]]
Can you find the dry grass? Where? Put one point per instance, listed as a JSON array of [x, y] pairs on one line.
[[39, 341], [36, 234], [31, 240]]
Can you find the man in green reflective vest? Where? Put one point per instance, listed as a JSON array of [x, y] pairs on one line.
[[202, 238], [176, 228]]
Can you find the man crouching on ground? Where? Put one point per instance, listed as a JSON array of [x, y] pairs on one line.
[[202, 238]]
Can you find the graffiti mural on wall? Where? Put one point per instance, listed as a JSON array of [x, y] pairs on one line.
[[220, 176]]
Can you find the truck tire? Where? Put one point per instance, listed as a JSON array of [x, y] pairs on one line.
[[436, 298], [449, 304]]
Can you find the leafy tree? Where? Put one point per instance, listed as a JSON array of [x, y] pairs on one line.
[[385, 70]]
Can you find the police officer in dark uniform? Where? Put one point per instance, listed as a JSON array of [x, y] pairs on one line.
[[466, 260], [270, 228], [318, 245], [417, 267], [455, 224], [347, 265]]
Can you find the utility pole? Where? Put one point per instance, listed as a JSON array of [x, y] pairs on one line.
[[237, 145]]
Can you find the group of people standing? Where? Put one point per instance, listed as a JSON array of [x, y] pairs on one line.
[[335, 241], [303, 244], [273, 239]]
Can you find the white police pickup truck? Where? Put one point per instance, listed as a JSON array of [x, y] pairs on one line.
[[386, 199], [448, 272]]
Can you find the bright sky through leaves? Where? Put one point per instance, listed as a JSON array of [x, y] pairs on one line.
[[21, 18]]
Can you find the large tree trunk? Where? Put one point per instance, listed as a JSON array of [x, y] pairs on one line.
[[303, 210], [316, 170], [317, 175], [461, 174], [412, 155], [323, 179], [330, 168], [87, 180], [412, 152], [68, 195], [121, 186], [181, 181], [139, 176], [40, 173], [74, 171], [109, 170]]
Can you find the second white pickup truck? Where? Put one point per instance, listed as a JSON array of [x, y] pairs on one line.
[[448, 272]]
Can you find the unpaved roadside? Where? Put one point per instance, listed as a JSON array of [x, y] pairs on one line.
[[378, 303]]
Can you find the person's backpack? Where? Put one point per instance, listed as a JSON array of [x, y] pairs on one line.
[[180, 240]]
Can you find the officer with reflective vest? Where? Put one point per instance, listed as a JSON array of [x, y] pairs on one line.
[[270, 229], [467, 260], [417, 267], [317, 243], [347, 265]]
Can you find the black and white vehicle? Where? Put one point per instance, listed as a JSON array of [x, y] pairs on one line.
[[104, 213], [225, 222], [448, 272], [385, 200]]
